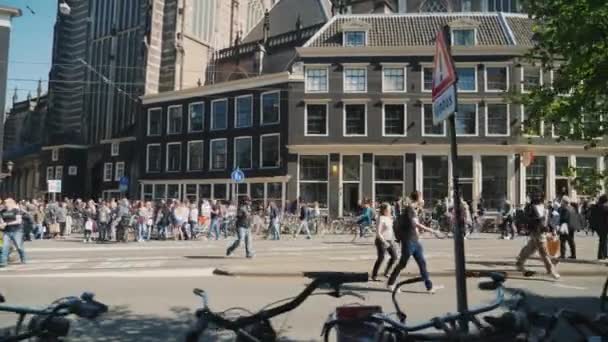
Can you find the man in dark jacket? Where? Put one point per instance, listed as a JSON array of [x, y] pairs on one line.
[[243, 225], [599, 223], [570, 217]]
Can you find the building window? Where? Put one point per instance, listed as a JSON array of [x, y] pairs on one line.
[[316, 79], [435, 183], [271, 110], [393, 79], [219, 114], [497, 79], [160, 191], [153, 158], [59, 172], [501, 5], [467, 79], [196, 117], [50, 173], [173, 191], [354, 38], [314, 179], [463, 37], [243, 111], [204, 191], [464, 168], [394, 120], [355, 120], [388, 178], [316, 119], [119, 172], [274, 192], [202, 23], [190, 193], [174, 120], [115, 149], [536, 176], [530, 128], [148, 192], [494, 171], [355, 80], [218, 154], [562, 181], [107, 172], [220, 191], [257, 194], [351, 168], [55, 154], [429, 128], [195, 155], [497, 119], [270, 150], [242, 152], [73, 171], [427, 79], [466, 119], [174, 157], [154, 121], [531, 77], [585, 167]]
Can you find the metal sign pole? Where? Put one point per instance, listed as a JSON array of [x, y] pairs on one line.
[[459, 257]]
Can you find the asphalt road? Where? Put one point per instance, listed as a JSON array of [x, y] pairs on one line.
[[149, 285]]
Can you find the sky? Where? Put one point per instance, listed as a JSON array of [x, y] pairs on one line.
[[30, 47]]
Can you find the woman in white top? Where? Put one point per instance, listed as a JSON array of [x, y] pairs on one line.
[[384, 241]]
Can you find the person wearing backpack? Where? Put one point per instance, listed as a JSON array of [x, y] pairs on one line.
[[406, 229], [304, 221], [536, 224]]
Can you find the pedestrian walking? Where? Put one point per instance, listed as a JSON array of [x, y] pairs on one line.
[[192, 221], [598, 221], [11, 224], [243, 225], [536, 224], [384, 241], [274, 227], [304, 221], [88, 229], [507, 230], [407, 228], [365, 219], [214, 227], [103, 219], [62, 214], [569, 224]]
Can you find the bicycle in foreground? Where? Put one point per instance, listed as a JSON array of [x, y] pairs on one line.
[[51, 324]]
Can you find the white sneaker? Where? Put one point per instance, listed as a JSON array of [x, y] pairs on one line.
[[555, 275], [434, 289]]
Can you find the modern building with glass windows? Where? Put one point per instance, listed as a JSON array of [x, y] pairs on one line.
[[362, 124]]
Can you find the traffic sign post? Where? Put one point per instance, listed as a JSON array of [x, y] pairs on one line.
[[123, 184], [237, 176], [445, 106]]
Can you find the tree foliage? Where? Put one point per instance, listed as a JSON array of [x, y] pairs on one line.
[[587, 182], [571, 39]]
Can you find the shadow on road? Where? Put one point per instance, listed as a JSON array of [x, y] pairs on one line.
[[204, 257]]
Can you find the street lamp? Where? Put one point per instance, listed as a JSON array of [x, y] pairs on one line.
[[9, 166], [64, 8]]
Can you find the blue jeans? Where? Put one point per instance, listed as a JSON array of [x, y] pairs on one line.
[[16, 236], [214, 228], [275, 229], [411, 248], [363, 228], [38, 231], [244, 234], [141, 231]]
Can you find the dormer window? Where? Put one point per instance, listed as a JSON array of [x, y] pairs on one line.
[[354, 38], [463, 37]]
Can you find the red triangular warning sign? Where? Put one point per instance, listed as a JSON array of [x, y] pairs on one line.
[[444, 74]]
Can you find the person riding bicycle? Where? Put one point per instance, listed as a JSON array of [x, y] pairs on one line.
[[366, 218]]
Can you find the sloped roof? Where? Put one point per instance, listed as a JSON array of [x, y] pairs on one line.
[[284, 14], [420, 29]]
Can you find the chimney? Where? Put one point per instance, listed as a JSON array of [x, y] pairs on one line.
[[266, 26], [299, 27]]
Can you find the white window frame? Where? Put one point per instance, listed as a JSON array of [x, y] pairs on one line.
[[211, 154], [476, 78], [307, 89], [344, 41], [109, 167], [115, 149], [73, 170], [346, 91], [190, 105], [422, 112], [188, 168], [476, 120], [181, 110], [375, 181], [300, 181], [306, 134], [485, 76], [250, 138], [236, 101], [262, 150], [523, 119], [344, 119], [404, 68], [474, 29], [59, 172], [55, 154], [508, 119], [116, 168], [148, 157], [160, 110], [272, 92], [167, 157], [50, 171], [213, 114], [521, 79], [384, 119]]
